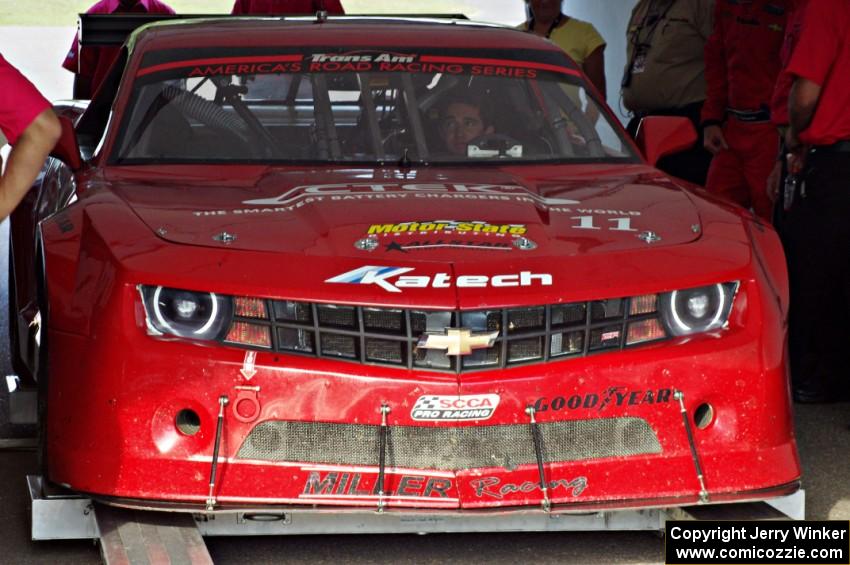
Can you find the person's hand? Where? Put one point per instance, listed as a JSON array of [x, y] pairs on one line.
[[796, 161], [796, 153], [713, 139], [773, 181]]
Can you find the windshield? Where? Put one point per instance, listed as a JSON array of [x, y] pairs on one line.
[[364, 107]]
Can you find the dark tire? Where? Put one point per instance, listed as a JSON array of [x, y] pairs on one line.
[[43, 376], [18, 366]]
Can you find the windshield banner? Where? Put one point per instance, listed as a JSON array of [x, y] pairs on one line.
[[355, 62]]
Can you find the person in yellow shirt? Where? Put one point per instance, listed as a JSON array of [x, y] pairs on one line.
[[579, 39]]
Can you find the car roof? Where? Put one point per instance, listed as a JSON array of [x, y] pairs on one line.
[[343, 31]]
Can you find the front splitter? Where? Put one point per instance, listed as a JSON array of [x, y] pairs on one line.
[[70, 516]]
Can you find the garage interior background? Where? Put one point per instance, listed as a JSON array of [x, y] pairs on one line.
[[35, 35]]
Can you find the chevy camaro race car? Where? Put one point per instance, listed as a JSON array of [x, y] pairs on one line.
[[411, 267]]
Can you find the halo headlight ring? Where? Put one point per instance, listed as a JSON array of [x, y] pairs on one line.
[[681, 317], [209, 319]]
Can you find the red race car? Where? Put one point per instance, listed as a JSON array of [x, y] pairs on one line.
[[405, 266]]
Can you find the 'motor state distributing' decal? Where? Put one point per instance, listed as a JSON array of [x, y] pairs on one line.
[[613, 396], [391, 280], [405, 237], [447, 226], [454, 408]]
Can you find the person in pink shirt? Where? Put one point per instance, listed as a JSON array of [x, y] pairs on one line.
[[31, 128], [287, 6], [91, 66]]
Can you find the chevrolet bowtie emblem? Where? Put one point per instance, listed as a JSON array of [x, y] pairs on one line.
[[458, 341]]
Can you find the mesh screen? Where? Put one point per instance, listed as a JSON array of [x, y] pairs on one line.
[[292, 311], [385, 351], [418, 322], [384, 321], [482, 321], [487, 357], [569, 314], [568, 343], [446, 448], [526, 319], [607, 309], [339, 345], [337, 316], [292, 339], [431, 358], [525, 349]]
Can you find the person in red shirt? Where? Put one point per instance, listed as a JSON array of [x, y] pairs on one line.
[[817, 234], [741, 67], [91, 66], [31, 128], [286, 6]]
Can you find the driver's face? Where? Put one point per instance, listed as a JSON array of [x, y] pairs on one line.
[[460, 124]]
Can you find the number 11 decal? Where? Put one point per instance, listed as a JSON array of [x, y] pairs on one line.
[[620, 224]]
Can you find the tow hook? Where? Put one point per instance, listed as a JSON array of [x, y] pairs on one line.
[[246, 406]]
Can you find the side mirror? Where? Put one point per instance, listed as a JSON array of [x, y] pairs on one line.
[[659, 136], [67, 149]]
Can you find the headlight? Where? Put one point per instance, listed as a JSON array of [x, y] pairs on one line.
[[697, 310], [184, 313]]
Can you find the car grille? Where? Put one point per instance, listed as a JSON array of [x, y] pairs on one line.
[[391, 336], [448, 448]]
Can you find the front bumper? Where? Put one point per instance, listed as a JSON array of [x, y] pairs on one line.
[[613, 435]]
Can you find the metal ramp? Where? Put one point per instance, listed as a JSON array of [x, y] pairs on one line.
[[127, 537], [132, 537]]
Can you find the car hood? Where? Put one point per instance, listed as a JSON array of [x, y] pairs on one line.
[[449, 214]]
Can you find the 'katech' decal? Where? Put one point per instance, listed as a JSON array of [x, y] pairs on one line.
[[455, 408], [335, 483], [391, 280], [613, 396]]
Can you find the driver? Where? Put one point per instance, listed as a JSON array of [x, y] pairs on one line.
[[463, 119]]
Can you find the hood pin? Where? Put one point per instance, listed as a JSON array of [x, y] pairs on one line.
[[524, 244], [649, 237], [367, 243], [225, 237]]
